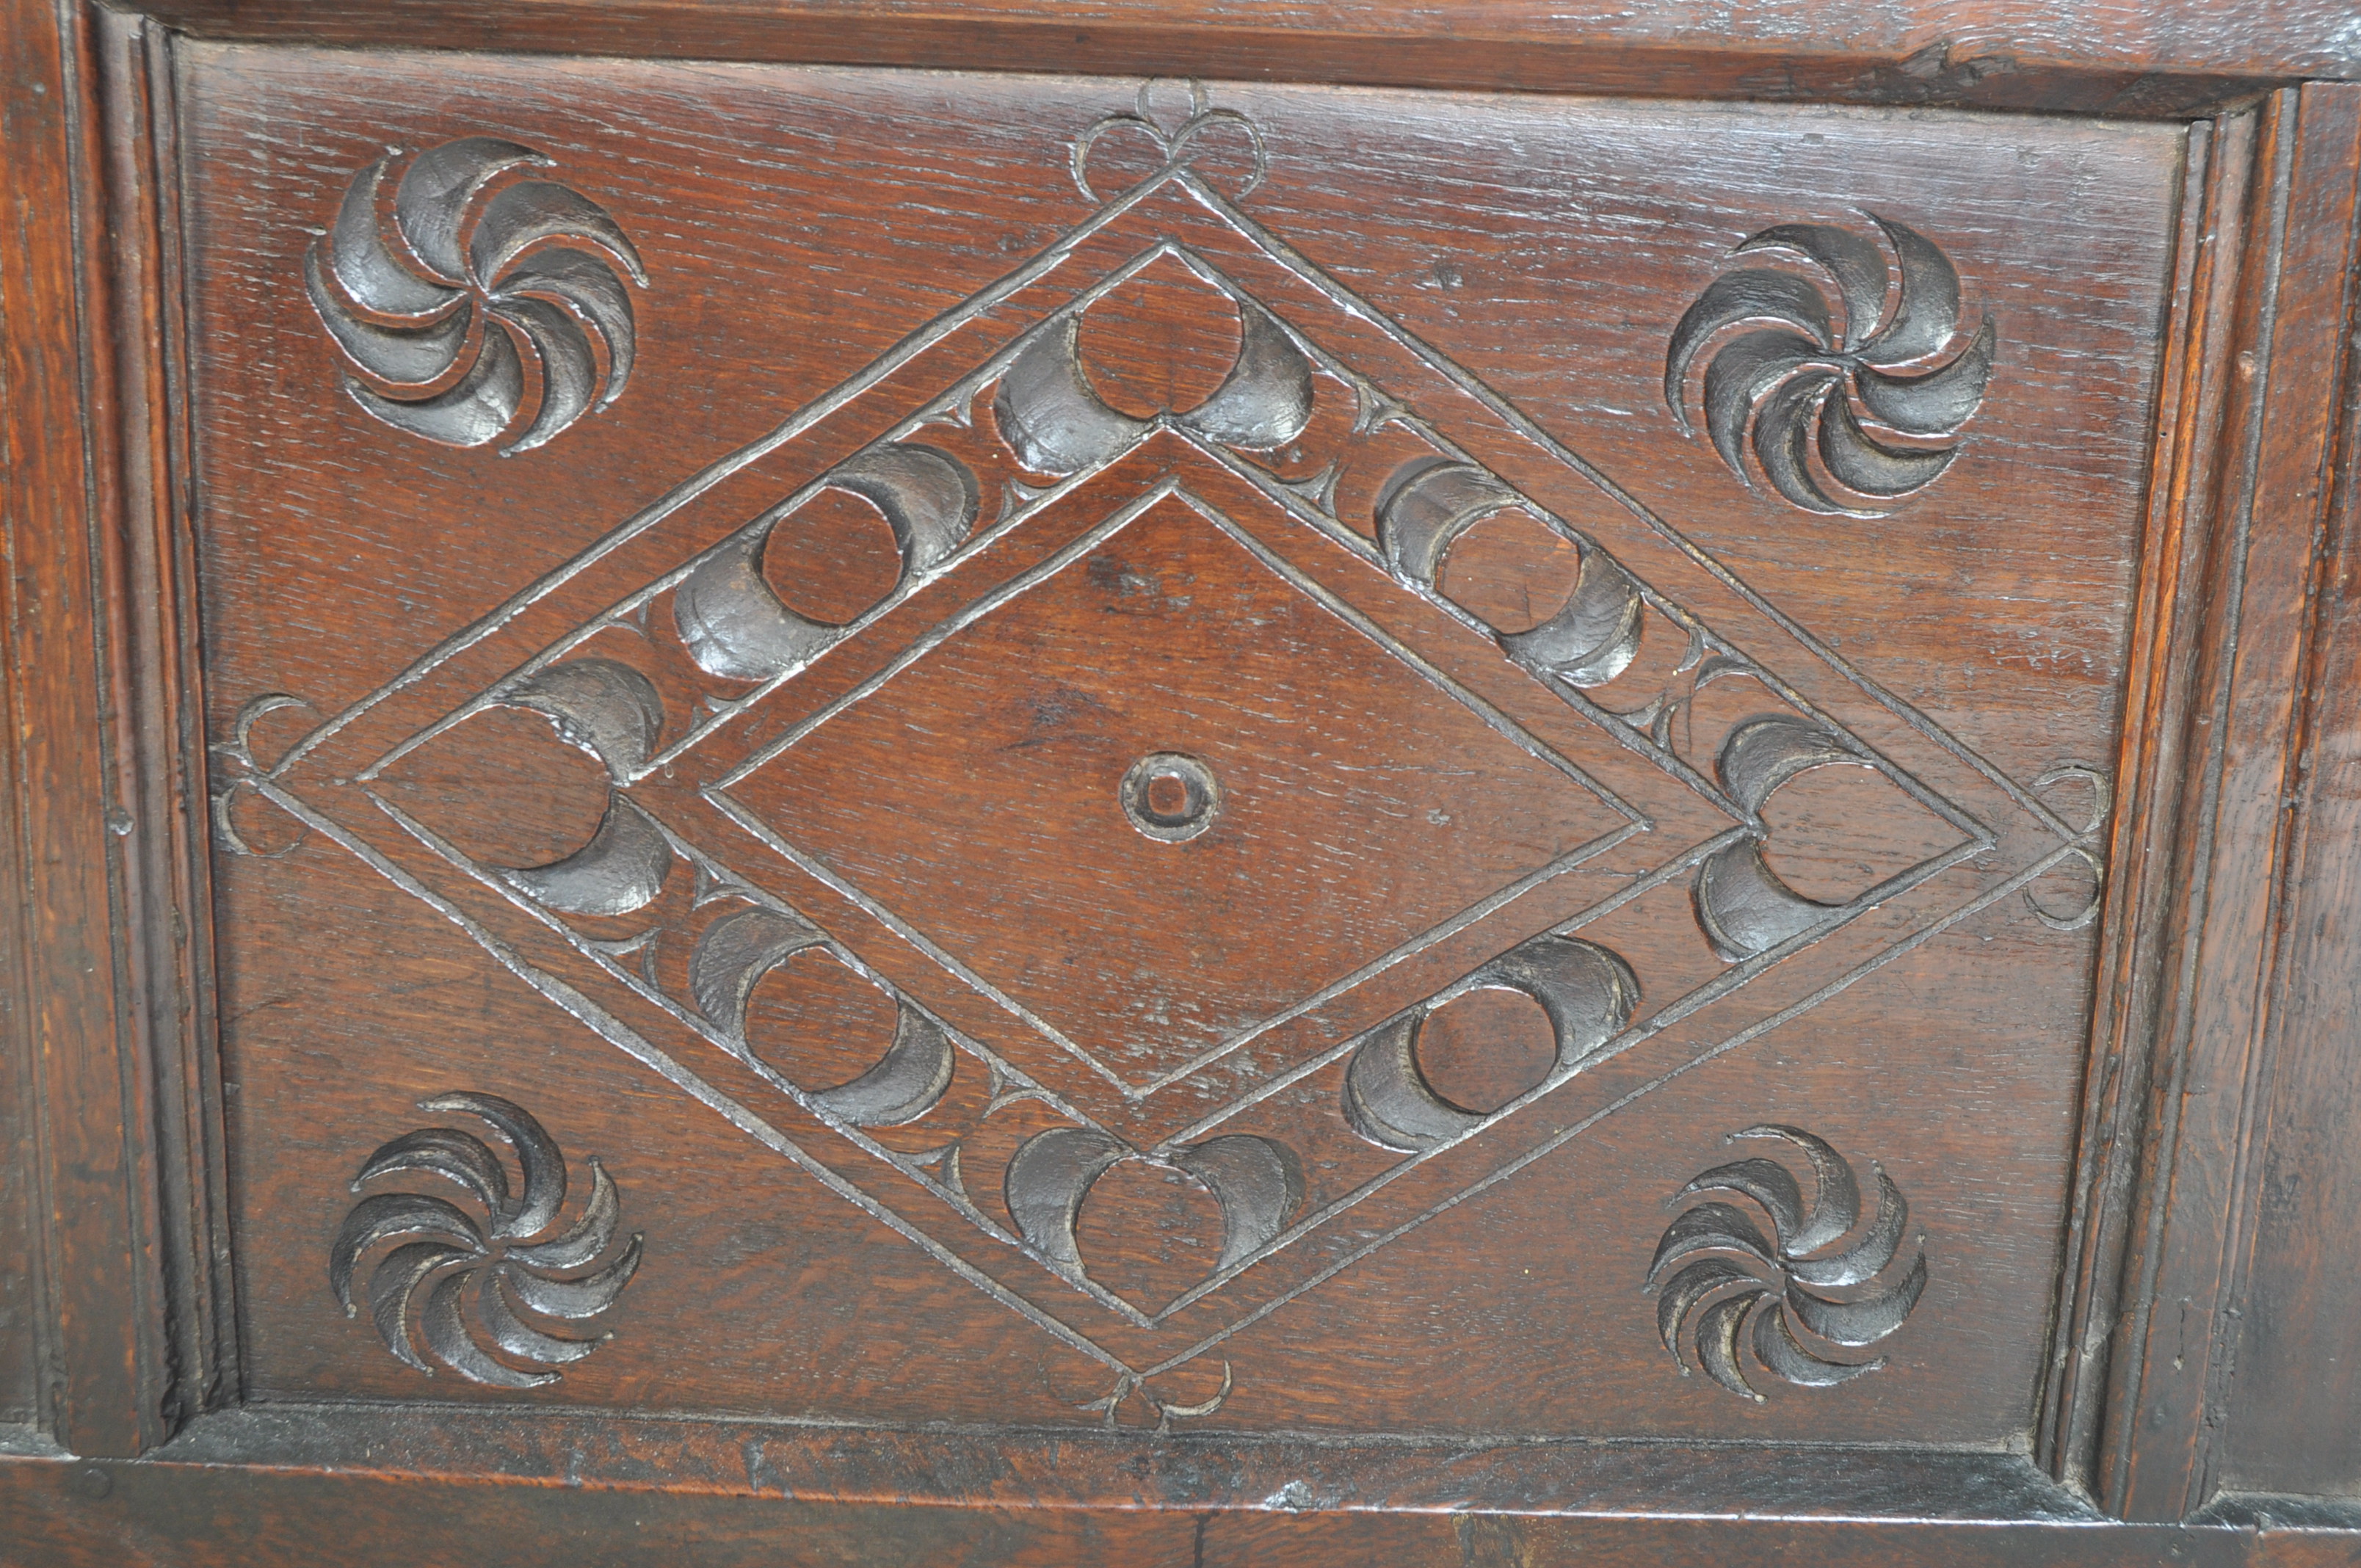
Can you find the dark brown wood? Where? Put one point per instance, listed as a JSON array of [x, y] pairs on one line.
[[2291, 1429], [2159, 683], [2270, 510], [102, 1359], [73, 1514], [1198, 625], [149, 641], [1138, 787], [2158, 59], [23, 1226]]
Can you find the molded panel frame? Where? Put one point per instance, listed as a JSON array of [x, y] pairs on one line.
[[109, 946]]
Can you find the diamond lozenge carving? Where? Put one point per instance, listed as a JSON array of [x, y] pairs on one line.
[[1335, 755]]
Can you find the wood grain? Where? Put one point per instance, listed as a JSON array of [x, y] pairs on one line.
[[2291, 1431], [1005, 1035], [975, 795], [75, 1513], [23, 1227], [2295, 284], [2125, 58], [104, 1349], [2154, 778]]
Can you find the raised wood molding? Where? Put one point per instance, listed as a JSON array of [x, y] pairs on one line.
[[2166, 59], [2212, 1046], [102, 1356], [2240, 499], [2197, 1298]]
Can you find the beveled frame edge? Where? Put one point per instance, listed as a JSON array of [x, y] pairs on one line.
[[110, 948], [1915, 52], [96, 327], [2173, 653], [2210, 764]]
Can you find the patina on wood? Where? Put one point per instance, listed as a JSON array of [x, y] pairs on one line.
[[1328, 799]]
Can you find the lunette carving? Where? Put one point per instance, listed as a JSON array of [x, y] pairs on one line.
[[1809, 1298], [1057, 423], [614, 713], [1257, 1181], [1743, 906], [430, 314], [1586, 992], [1793, 386], [1431, 501], [734, 625], [736, 951], [499, 1278]]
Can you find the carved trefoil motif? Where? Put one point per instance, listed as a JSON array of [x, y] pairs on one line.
[[1812, 1297], [435, 295], [1306, 480], [500, 1290]]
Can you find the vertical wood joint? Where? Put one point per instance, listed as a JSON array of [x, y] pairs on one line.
[[2189, 1007]]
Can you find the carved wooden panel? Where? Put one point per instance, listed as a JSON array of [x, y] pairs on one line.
[[1226, 820], [1175, 756]]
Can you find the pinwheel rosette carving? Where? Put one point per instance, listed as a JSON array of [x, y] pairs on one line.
[[1809, 1298], [1867, 390], [485, 304], [496, 1292]]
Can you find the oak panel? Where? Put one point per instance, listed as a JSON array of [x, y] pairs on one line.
[[1316, 448]]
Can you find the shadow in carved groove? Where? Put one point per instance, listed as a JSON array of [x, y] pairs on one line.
[[1257, 1181], [613, 712], [1807, 1305], [1794, 386], [1053, 399], [735, 626], [506, 1280], [1057, 424], [433, 327], [1202, 131], [1429, 502], [1742, 905], [736, 951], [1588, 993]]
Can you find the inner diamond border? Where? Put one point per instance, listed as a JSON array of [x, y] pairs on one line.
[[1635, 821]]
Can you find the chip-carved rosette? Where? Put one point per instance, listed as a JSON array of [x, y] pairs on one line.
[[1672, 812]]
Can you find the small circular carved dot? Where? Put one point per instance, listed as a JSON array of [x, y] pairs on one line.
[[1170, 797], [1167, 795]]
